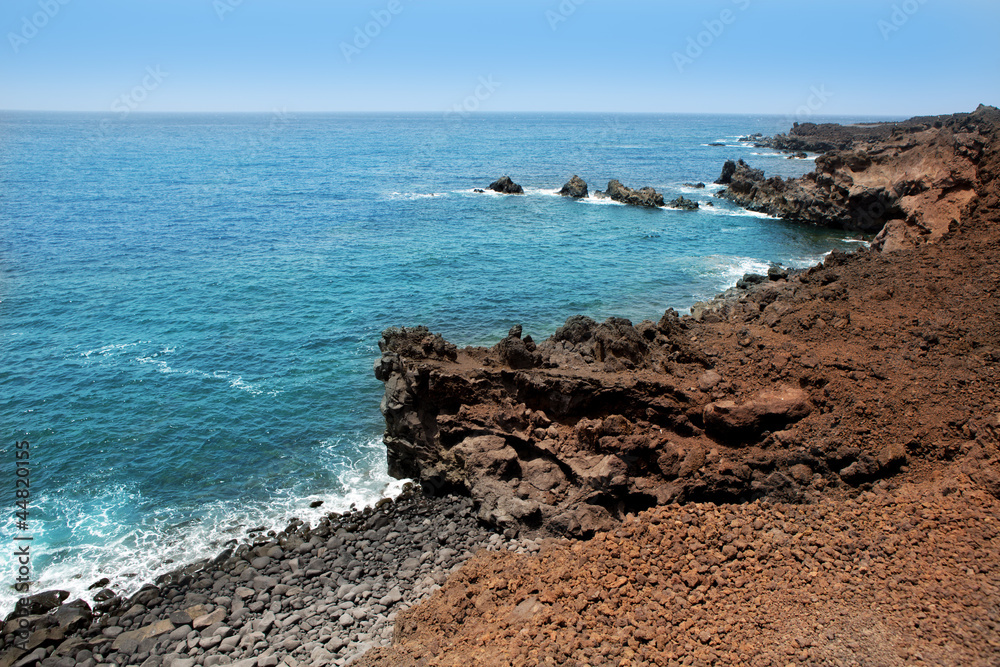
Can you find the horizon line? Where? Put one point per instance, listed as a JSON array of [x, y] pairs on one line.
[[139, 112]]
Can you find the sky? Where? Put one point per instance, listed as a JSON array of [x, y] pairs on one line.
[[823, 57]]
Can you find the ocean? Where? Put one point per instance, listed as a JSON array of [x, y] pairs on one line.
[[190, 304]]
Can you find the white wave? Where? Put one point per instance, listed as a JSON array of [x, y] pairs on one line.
[[728, 268], [133, 555], [736, 212], [234, 380], [112, 349], [547, 192], [479, 191], [591, 198]]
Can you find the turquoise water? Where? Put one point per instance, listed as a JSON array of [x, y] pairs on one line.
[[191, 304]]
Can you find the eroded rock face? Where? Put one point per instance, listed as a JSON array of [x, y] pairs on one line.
[[576, 188], [909, 182], [769, 410], [597, 421]]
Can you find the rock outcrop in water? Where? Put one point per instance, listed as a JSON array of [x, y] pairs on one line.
[[504, 185], [575, 188], [645, 197], [683, 204]]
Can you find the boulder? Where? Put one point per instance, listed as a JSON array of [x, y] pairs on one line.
[[576, 188], [684, 204], [769, 410], [647, 197], [577, 329], [517, 353], [776, 272], [616, 337], [73, 616], [506, 186], [40, 603]]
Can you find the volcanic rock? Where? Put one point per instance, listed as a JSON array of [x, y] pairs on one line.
[[39, 603], [647, 197], [506, 186], [770, 410], [576, 188], [684, 204], [910, 185]]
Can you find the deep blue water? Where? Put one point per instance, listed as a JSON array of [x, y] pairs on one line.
[[191, 304]]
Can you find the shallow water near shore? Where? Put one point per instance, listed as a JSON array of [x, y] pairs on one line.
[[191, 304]]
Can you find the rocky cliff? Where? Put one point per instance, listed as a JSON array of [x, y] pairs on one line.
[[908, 182]]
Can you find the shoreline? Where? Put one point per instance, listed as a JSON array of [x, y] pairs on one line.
[[261, 603]]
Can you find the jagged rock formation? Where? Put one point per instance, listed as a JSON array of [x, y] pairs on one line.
[[504, 185], [911, 186], [575, 188], [759, 398], [683, 204], [646, 197]]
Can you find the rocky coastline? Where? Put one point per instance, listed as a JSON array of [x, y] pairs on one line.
[[804, 470], [908, 182], [319, 595]]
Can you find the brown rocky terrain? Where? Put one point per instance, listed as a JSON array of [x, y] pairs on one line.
[[825, 137], [863, 390], [909, 181], [889, 578]]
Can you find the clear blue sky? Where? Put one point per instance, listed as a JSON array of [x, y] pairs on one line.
[[871, 57]]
